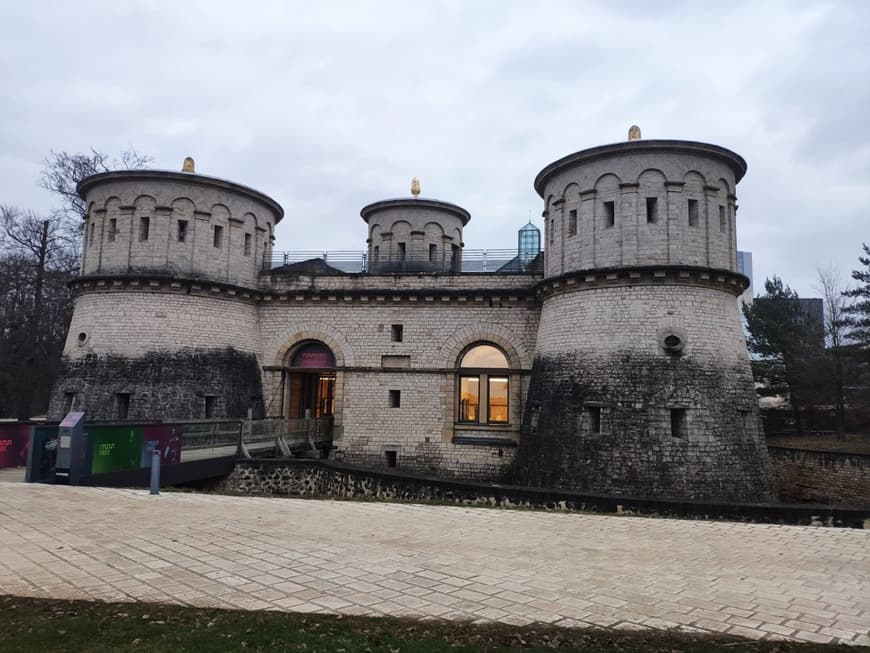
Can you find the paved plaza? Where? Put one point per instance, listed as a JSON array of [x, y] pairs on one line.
[[757, 581]]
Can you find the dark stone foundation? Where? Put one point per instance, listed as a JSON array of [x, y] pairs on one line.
[[162, 386], [719, 453]]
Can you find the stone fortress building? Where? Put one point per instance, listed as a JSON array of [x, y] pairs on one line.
[[612, 362]]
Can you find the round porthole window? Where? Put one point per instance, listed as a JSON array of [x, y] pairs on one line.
[[82, 338], [672, 341]]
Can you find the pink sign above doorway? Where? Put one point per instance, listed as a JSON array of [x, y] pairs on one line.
[[313, 355]]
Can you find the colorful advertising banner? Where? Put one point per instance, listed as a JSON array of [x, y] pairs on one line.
[[166, 438], [105, 448], [114, 448], [14, 441]]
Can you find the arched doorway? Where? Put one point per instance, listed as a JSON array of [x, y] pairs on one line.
[[310, 381]]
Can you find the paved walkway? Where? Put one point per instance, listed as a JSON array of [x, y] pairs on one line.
[[12, 474], [757, 581]]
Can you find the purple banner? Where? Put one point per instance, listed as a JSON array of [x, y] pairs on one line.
[[166, 438], [314, 355]]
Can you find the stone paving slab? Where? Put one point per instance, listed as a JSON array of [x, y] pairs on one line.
[[752, 580], [12, 474]]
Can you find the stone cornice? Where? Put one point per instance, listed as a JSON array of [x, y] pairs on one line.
[[451, 371], [649, 275], [732, 159], [162, 284], [653, 275], [415, 203], [86, 184], [493, 297], [143, 282]]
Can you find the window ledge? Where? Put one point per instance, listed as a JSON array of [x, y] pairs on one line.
[[476, 439], [476, 426]]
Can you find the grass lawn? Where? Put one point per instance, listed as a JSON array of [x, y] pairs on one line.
[[53, 626]]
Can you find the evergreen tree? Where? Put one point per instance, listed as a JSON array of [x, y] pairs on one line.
[[858, 312], [857, 315], [785, 348]]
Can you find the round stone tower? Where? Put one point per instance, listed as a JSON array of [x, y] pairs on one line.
[[414, 234], [165, 321], [641, 382]]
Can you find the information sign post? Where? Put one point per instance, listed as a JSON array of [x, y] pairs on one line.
[[70, 445]]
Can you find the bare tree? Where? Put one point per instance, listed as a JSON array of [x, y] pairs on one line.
[[830, 286], [39, 260], [38, 257], [44, 241], [62, 171]]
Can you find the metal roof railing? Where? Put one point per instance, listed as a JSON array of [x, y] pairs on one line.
[[467, 261]]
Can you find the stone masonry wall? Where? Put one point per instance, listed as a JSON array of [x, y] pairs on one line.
[[114, 242], [422, 429], [378, 285], [627, 180], [821, 476], [132, 323], [161, 386], [599, 353], [320, 478], [419, 225]]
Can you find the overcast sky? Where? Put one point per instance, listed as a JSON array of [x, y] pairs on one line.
[[327, 106]]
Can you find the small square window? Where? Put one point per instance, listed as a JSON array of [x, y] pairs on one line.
[[113, 230], [218, 239], [182, 231], [144, 228], [593, 413], [391, 457], [122, 405], [247, 244], [745, 417], [652, 210], [210, 405], [678, 423], [572, 222], [693, 213], [395, 398], [609, 214], [396, 332], [723, 223]]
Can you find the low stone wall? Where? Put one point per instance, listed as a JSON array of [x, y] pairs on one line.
[[821, 476], [325, 478]]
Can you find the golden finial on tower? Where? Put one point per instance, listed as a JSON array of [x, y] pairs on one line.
[[634, 133], [188, 165], [415, 187]]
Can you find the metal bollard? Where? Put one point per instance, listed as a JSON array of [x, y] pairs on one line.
[[155, 472]]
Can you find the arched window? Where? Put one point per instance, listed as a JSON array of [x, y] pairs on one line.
[[483, 385]]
